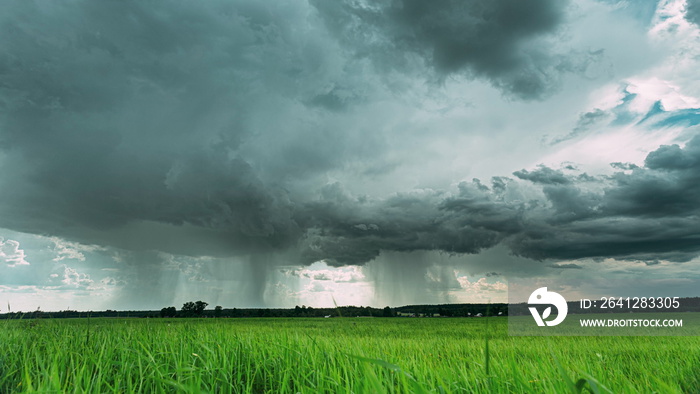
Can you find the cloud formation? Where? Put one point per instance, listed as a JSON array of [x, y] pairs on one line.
[[501, 41], [639, 213], [125, 114], [692, 12], [642, 213], [11, 254]]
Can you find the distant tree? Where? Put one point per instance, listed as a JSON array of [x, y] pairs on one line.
[[188, 309], [387, 312], [199, 307], [167, 312], [442, 312], [218, 310]]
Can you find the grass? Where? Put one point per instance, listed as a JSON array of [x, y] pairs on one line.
[[339, 355]]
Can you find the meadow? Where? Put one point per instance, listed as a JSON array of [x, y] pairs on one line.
[[336, 355]]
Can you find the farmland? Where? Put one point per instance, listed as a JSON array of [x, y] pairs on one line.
[[331, 355]]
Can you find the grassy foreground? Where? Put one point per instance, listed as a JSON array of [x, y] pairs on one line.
[[339, 355]]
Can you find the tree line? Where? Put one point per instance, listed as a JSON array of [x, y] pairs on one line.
[[198, 309]]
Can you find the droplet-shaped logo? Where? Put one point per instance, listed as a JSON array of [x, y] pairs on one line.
[[543, 297]]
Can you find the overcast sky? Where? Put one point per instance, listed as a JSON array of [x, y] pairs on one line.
[[282, 153]]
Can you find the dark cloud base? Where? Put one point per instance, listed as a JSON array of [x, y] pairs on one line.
[[501, 41], [693, 11], [643, 213]]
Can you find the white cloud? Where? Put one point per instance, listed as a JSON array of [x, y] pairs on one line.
[[110, 281], [322, 272], [677, 70], [481, 285], [626, 144], [48, 298], [669, 20], [480, 290], [316, 287], [72, 250], [66, 250], [669, 94], [11, 254], [70, 278]]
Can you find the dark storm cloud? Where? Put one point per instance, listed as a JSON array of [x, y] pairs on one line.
[[544, 175], [623, 166], [566, 266], [668, 186], [643, 213], [503, 41], [172, 122], [692, 11], [648, 213], [348, 230]]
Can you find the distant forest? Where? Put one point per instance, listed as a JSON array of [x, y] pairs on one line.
[[190, 310], [198, 309]]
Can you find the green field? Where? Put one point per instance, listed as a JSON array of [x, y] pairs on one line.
[[338, 355]]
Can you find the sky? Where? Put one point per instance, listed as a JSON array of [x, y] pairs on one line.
[[282, 153]]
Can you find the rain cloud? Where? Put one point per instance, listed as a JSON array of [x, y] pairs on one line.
[[506, 42]]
